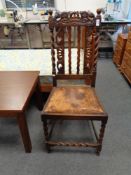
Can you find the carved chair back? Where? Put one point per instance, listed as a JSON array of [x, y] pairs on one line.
[[61, 25]]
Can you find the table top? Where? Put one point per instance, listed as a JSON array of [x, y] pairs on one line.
[[29, 19], [16, 88], [122, 21], [26, 21], [35, 19]]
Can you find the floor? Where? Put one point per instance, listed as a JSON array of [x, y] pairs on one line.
[[115, 159]]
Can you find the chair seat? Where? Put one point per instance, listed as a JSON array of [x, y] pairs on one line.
[[73, 100]]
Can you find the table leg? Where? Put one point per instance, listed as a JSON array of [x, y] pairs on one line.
[[45, 127], [27, 37], [41, 34], [24, 132]]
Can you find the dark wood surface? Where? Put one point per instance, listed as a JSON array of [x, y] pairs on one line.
[[126, 62], [63, 24], [119, 49], [74, 103], [16, 89]]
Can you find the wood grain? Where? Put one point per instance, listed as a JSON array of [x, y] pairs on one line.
[[74, 102], [16, 89]]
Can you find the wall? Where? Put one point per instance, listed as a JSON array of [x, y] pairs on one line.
[[74, 4], [91, 5], [125, 7], [60, 5], [2, 4]]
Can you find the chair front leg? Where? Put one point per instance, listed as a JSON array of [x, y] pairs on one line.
[[101, 135], [46, 134]]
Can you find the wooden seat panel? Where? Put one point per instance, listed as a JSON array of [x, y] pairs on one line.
[[73, 100]]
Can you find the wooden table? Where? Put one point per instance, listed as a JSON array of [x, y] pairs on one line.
[[16, 89]]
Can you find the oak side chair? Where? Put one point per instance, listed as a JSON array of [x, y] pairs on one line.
[[74, 102]]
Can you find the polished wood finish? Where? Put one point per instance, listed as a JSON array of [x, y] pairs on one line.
[[24, 132], [61, 24], [119, 49], [16, 89], [74, 102], [126, 63], [46, 87]]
